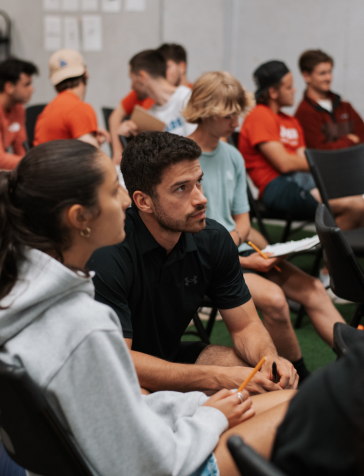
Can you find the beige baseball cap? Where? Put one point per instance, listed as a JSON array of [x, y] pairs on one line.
[[64, 64]]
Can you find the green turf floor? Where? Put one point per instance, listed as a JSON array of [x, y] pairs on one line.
[[315, 352]]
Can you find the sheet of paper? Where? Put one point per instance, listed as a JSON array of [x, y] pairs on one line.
[[71, 33], [90, 5], [111, 6], [52, 32], [91, 33], [70, 5], [281, 249], [51, 5], [135, 5]]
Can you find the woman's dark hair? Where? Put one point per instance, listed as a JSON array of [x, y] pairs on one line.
[[149, 154], [49, 179], [264, 97]]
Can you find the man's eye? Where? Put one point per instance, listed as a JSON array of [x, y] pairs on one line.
[[181, 188]]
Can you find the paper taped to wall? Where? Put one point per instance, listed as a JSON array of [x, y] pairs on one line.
[[71, 33], [135, 5], [52, 32], [111, 6], [91, 33], [51, 5], [89, 5]]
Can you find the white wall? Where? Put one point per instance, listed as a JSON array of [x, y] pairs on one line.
[[235, 35]]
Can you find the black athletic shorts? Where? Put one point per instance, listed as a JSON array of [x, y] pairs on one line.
[[188, 352]]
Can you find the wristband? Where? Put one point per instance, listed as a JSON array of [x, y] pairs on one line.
[[239, 235]]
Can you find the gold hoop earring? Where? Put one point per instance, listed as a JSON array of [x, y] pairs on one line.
[[86, 233]]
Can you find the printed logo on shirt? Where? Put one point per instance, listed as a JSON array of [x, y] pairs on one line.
[[344, 116], [14, 127], [191, 281], [289, 136], [229, 175], [174, 125]]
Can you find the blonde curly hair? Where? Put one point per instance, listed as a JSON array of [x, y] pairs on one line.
[[217, 94]]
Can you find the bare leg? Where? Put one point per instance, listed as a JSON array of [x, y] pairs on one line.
[[348, 211], [221, 356], [310, 292], [259, 432], [270, 300]]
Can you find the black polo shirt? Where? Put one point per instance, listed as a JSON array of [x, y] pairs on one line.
[[156, 295]]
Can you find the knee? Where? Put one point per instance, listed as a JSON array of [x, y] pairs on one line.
[[275, 305], [315, 292]]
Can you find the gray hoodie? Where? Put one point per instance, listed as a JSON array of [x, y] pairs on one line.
[[72, 346]]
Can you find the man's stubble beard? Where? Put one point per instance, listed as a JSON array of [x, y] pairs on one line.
[[179, 225]]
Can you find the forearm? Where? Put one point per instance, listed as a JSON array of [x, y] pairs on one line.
[[114, 122], [293, 163], [253, 343], [156, 374], [9, 161]]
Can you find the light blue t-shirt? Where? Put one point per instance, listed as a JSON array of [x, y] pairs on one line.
[[224, 185]]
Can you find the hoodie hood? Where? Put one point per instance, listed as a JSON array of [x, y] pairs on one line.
[[42, 281]]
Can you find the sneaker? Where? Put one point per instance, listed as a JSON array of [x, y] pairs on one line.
[[336, 299], [324, 278]]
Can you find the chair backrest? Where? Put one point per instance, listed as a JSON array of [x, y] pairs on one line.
[[248, 461], [32, 434], [337, 173], [31, 115], [346, 275], [106, 112]]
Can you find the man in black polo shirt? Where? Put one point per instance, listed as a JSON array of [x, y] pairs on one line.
[[171, 257]]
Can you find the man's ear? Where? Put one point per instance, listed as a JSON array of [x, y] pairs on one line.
[[143, 202], [143, 76], [182, 67], [77, 217], [306, 76], [9, 88]]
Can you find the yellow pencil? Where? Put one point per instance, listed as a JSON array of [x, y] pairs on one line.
[[262, 254], [252, 373]]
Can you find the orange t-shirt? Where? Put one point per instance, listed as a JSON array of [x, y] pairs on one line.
[[264, 125], [66, 117], [12, 133], [132, 100]]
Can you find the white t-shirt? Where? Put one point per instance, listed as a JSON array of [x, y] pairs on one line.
[[326, 104], [170, 113]]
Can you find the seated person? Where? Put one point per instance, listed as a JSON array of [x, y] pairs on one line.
[[176, 60], [327, 121], [68, 116], [272, 145], [61, 203], [323, 431], [148, 77], [16, 89], [224, 186], [171, 258]]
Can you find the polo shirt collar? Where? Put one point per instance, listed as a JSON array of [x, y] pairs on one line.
[[148, 243]]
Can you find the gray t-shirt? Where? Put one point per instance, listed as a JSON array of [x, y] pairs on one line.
[[224, 185]]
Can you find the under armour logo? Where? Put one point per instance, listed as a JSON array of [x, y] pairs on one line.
[[192, 281], [62, 63]]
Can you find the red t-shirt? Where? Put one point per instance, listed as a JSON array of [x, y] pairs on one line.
[[132, 100], [264, 125], [66, 117], [12, 133]]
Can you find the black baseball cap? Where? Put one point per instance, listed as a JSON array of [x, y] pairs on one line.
[[268, 74]]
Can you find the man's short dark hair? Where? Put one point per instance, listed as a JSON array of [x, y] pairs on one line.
[[174, 52], [311, 58], [70, 83], [150, 61], [11, 69], [149, 154]]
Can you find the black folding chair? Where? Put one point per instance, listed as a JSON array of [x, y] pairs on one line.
[[106, 112], [204, 333], [338, 174], [248, 462], [31, 432], [31, 116], [346, 276]]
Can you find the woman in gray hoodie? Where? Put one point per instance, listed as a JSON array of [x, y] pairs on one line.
[[61, 203]]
